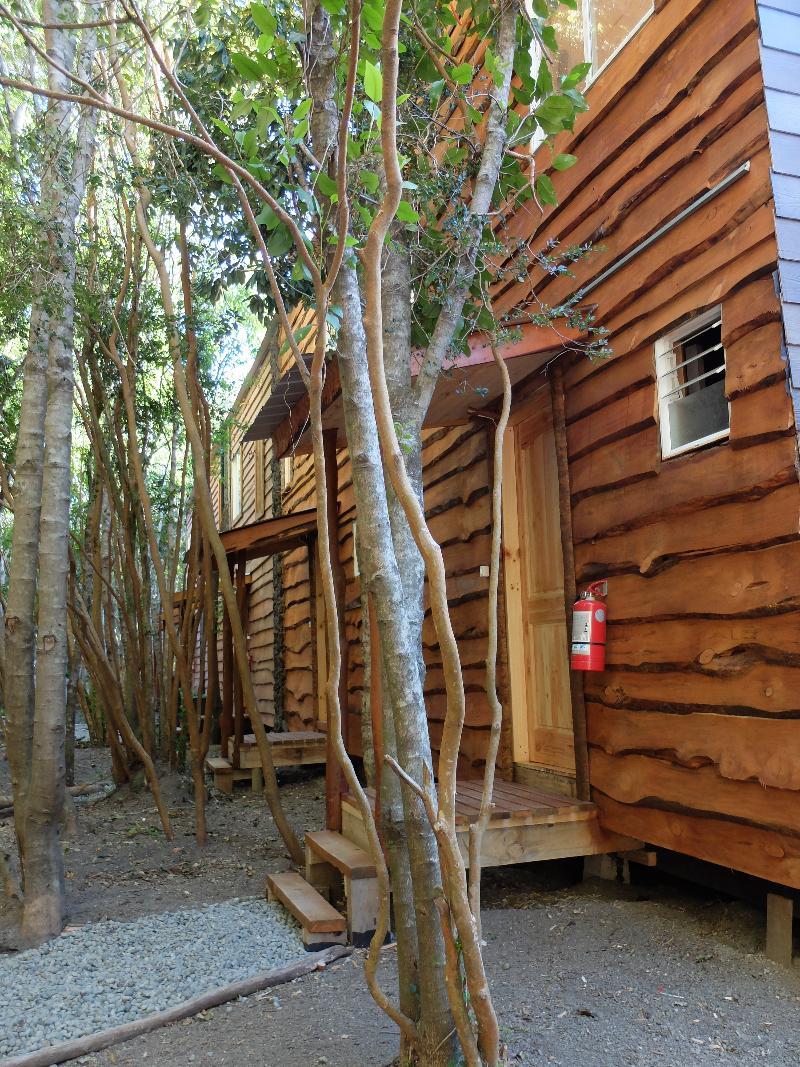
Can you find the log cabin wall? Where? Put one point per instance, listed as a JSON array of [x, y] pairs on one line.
[[457, 502], [256, 504], [694, 728]]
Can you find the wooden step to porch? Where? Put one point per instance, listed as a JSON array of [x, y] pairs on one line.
[[335, 849], [226, 775], [332, 859], [290, 748], [321, 923]]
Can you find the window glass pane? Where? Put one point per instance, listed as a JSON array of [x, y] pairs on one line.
[[236, 485], [569, 29], [694, 391], [612, 21]]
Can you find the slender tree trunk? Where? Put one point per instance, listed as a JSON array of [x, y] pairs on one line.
[[39, 711]]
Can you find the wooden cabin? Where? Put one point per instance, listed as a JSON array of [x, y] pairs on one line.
[[672, 465]]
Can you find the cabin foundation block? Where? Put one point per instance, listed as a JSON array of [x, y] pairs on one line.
[[780, 913], [602, 866]]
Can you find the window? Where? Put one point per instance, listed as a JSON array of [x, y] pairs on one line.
[[260, 460], [595, 31], [690, 368], [287, 471], [235, 498]]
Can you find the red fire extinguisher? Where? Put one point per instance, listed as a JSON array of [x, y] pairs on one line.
[[589, 629]]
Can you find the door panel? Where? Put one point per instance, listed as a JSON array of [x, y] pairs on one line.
[[546, 669]]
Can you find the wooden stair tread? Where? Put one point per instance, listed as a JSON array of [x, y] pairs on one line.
[[218, 763], [295, 737], [287, 737], [311, 910], [341, 853]]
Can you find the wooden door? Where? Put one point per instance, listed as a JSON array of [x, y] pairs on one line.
[[537, 625]]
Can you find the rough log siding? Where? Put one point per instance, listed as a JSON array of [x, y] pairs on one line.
[[457, 499], [692, 725], [260, 614]]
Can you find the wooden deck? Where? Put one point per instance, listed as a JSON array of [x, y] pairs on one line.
[[526, 826]]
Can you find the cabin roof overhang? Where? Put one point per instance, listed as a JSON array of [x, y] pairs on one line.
[[470, 384], [270, 536]]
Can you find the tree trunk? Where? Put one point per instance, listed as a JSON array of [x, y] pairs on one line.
[[38, 707], [409, 838]]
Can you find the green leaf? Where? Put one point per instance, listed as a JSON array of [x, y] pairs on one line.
[[264, 19], [280, 242], [406, 213], [462, 74], [555, 113], [302, 109], [219, 172], [326, 185], [246, 66], [300, 272], [239, 111], [267, 217], [435, 90], [544, 79], [373, 81], [250, 143], [370, 179], [563, 161], [576, 75], [549, 38], [222, 126], [545, 190], [541, 9], [265, 42], [373, 16]]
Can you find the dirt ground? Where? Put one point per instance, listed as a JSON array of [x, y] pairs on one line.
[[595, 973]]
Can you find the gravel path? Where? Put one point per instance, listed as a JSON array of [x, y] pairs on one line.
[[107, 973]]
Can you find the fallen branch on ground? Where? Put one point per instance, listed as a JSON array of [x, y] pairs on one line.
[[81, 1046]]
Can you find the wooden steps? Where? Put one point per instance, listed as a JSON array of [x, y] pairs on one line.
[[331, 859], [226, 775], [334, 849], [291, 748], [299, 748], [321, 923]]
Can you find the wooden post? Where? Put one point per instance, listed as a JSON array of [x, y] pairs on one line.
[[582, 786], [212, 686], [334, 778], [376, 702], [780, 913], [238, 693], [312, 605], [226, 718]]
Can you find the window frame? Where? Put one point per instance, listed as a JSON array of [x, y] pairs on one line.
[[235, 487], [260, 476], [664, 348], [589, 42], [539, 136], [287, 471]]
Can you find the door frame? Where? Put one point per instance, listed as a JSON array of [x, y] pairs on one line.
[[525, 768]]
